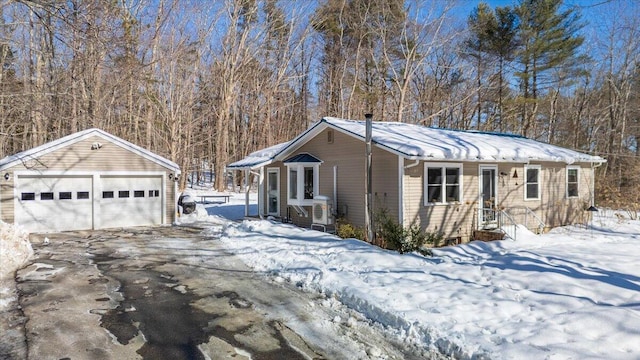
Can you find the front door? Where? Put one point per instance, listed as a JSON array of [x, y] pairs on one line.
[[273, 192], [488, 195]]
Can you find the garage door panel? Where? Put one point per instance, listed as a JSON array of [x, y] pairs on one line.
[[54, 203], [130, 201]]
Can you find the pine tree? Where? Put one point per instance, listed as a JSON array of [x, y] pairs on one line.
[[548, 40]]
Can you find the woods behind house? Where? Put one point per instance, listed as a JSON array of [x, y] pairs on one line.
[[204, 83]]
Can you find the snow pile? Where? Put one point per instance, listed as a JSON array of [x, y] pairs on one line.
[[569, 294], [15, 249]]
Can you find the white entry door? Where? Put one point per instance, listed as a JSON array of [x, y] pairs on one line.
[[488, 195], [50, 203], [273, 192]]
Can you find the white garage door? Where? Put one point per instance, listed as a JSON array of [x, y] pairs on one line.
[[54, 203], [130, 201]]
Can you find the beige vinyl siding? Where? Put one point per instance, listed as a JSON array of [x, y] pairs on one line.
[[450, 220], [78, 157], [554, 207], [6, 198], [459, 220], [347, 153]]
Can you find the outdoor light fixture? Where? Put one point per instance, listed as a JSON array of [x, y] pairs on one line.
[[515, 174], [96, 146], [6, 176]]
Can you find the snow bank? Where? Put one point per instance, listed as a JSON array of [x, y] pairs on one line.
[[15, 249], [569, 294]]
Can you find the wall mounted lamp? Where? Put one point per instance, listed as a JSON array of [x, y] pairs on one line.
[[7, 176]]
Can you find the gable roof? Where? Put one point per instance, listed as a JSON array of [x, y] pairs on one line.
[[416, 142], [302, 158], [49, 147]]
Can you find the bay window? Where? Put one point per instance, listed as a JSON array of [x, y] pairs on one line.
[[302, 179]]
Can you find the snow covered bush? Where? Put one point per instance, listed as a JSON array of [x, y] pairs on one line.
[[15, 249]]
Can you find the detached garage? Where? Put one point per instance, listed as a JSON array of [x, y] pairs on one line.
[[87, 180]]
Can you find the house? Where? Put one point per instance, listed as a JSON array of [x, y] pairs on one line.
[[447, 181], [87, 180]]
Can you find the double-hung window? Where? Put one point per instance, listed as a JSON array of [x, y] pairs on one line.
[[572, 182], [443, 183], [302, 179], [532, 182]]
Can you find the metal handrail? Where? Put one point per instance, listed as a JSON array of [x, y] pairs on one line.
[[499, 216], [528, 212]]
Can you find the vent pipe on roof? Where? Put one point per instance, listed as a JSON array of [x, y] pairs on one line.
[[368, 200]]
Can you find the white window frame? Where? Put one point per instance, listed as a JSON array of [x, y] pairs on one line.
[[577, 169], [526, 182], [443, 167], [299, 167]]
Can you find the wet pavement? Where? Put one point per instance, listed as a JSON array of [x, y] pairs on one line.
[[175, 293]]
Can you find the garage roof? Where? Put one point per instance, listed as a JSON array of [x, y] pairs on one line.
[[38, 151]]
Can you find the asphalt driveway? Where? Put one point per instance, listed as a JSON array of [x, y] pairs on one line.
[[174, 293]]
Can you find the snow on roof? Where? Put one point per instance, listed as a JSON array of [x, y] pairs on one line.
[[427, 143], [258, 158], [51, 146]]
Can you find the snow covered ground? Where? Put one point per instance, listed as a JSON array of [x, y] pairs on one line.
[[15, 250], [573, 293]]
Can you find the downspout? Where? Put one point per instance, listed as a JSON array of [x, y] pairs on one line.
[[593, 182], [335, 189]]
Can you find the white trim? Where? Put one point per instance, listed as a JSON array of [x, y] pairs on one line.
[[525, 182], [443, 166], [275, 170], [566, 182]]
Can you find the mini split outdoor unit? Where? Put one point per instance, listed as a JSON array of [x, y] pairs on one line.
[[322, 210]]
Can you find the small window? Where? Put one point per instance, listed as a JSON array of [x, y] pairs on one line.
[[107, 194], [27, 196], [46, 196], [154, 193], [532, 182], [123, 193], [293, 183], [64, 195], [572, 182], [85, 195], [308, 183], [138, 193]]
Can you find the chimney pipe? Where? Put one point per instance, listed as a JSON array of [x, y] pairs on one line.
[[368, 200]]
